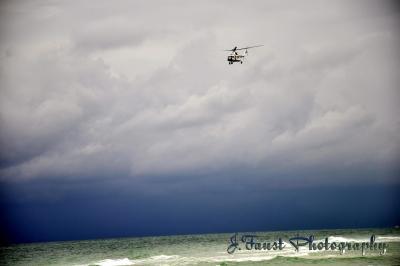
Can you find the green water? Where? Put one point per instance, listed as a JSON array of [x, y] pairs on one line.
[[207, 249]]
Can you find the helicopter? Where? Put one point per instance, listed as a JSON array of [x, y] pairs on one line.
[[236, 57]]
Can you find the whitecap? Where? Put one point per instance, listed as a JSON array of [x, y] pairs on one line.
[[114, 262]]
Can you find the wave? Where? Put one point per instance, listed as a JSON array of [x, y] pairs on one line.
[[247, 255], [360, 240], [146, 261], [180, 260], [219, 259], [388, 238], [115, 262]]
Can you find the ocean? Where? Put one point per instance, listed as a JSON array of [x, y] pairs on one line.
[[211, 249]]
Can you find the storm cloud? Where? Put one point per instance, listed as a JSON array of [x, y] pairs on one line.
[[124, 118], [143, 88]]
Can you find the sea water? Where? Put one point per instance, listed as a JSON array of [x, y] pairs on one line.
[[210, 249]]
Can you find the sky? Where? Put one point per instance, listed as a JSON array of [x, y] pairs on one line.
[[123, 118]]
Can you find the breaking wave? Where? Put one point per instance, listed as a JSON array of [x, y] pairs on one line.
[[242, 256]]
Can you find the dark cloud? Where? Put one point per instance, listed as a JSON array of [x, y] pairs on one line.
[[143, 89]]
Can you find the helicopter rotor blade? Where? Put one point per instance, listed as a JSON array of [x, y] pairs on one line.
[[243, 48], [248, 47], [232, 50]]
